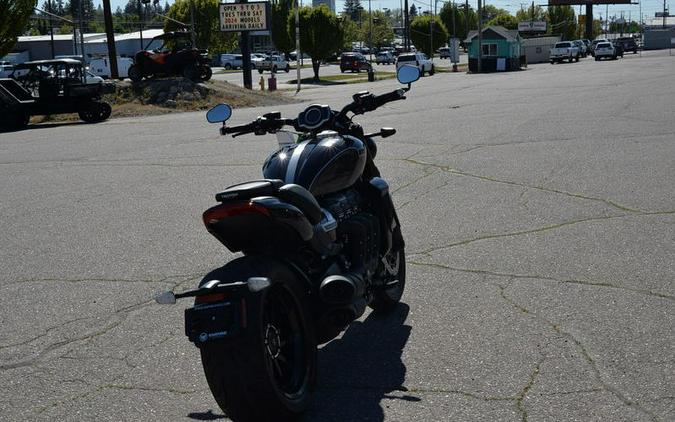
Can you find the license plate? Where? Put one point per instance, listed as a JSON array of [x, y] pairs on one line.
[[211, 322]]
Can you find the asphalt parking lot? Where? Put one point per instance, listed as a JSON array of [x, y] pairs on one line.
[[539, 214]]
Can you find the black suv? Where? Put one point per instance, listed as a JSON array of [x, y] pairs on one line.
[[627, 44], [355, 62]]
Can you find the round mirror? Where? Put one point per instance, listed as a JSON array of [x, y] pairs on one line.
[[407, 74], [219, 113]]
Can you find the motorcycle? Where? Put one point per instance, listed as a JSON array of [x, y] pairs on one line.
[[321, 241]]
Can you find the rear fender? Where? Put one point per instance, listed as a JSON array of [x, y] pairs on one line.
[[261, 225]]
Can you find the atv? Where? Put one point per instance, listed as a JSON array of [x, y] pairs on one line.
[[47, 87], [175, 57]]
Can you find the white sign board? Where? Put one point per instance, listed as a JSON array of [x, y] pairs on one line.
[[235, 17], [532, 26]]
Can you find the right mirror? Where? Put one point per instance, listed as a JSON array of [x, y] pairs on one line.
[[407, 74], [219, 113]]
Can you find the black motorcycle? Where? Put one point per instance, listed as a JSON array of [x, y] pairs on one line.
[[320, 241]]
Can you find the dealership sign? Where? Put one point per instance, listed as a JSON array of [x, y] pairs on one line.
[[235, 17], [532, 26]]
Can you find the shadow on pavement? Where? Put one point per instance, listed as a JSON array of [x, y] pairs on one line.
[[360, 369], [50, 125], [205, 416], [357, 371]]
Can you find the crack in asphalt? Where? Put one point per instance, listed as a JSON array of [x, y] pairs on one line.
[[451, 170], [518, 233], [520, 399], [544, 278], [117, 317], [584, 352]]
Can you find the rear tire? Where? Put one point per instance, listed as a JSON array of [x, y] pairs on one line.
[[95, 112], [206, 73], [248, 378], [135, 73], [227, 66]]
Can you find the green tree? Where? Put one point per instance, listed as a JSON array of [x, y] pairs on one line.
[[420, 31], [14, 17], [350, 33], [281, 10], [320, 34], [352, 9], [507, 21], [383, 33], [207, 24], [561, 20], [491, 12], [532, 13], [413, 12]]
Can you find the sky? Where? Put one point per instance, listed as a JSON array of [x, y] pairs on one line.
[[649, 7]]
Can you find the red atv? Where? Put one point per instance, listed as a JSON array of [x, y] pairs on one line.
[[175, 57]]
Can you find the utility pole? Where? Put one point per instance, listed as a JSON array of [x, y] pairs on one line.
[[298, 53], [81, 18], [140, 23], [480, 35], [664, 14], [51, 28], [246, 56], [370, 31], [112, 50], [406, 29], [466, 16]]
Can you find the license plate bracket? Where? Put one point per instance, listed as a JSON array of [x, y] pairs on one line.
[[207, 323]]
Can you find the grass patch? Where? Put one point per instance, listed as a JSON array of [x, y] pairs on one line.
[[344, 78]]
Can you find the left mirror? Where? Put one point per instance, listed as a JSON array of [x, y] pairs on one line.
[[219, 113]]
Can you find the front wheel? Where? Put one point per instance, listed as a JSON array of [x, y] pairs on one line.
[[388, 295], [270, 373]]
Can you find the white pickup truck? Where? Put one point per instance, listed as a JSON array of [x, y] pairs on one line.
[[564, 50], [273, 64]]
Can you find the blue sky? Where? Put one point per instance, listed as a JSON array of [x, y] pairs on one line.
[[648, 7]]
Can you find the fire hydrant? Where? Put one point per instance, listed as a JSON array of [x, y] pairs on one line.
[[262, 83]]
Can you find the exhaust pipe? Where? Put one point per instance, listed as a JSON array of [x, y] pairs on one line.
[[341, 289]]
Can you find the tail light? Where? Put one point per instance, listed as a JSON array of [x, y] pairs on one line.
[[223, 211]]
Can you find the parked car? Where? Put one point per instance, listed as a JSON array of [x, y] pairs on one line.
[[257, 59], [355, 62], [273, 64], [101, 66], [231, 61], [6, 69], [605, 50], [627, 44], [583, 50], [565, 50], [595, 43], [444, 52], [418, 60], [385, 57]]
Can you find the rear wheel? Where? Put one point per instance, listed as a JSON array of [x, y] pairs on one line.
[[227, 66], [135, 73], [191, 72], [206, 73], [270, 373], [95, 112]]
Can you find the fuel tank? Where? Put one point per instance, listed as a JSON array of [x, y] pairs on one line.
[[323, 165]]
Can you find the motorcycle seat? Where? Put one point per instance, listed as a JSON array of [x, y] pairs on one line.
[[295, 195], [248, 190]]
